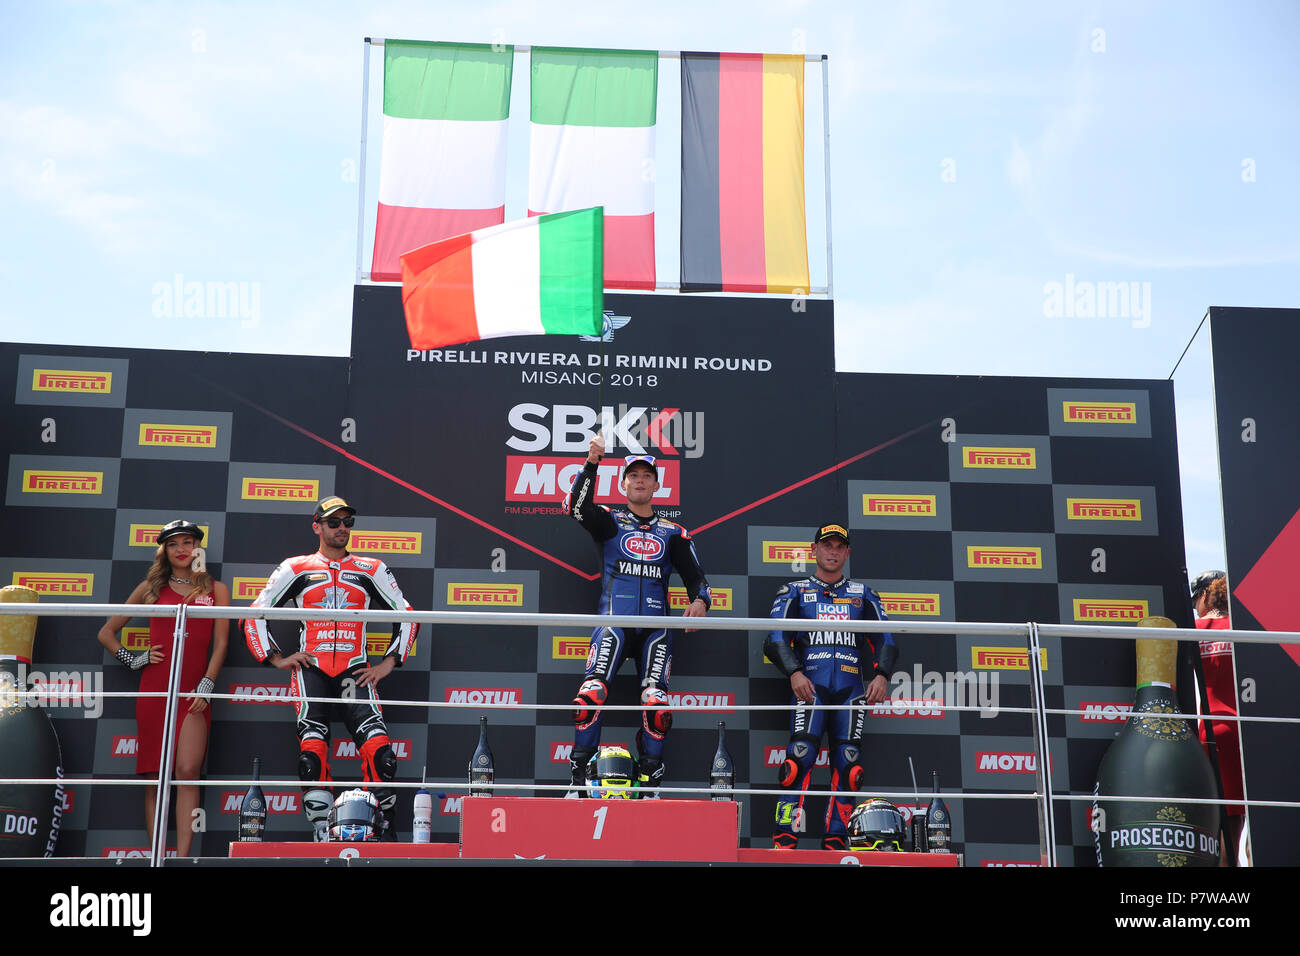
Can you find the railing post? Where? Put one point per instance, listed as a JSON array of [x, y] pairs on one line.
[[166, 759], [1043, 753]]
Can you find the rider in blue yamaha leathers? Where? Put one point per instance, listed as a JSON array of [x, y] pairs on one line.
[[638, 551], [827, 667]]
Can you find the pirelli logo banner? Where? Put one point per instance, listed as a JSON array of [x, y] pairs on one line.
[[1108, 604], [900, 505], [71, 380], [787, 552], [1099, 412], [1003, 557], [723, 599], [377, 642], [475, 594], [277, 488], [480, 590], [51, 481], [61, 579], [176, 435], [1105, 509], [983, 658], [569, 647], [135, 533], [911, 604], [1001, 459], [56, 583], [398, 542], [134, 638]]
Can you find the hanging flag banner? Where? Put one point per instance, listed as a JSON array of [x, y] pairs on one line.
[[535, 276], [443, 168], [591, 143], [743, 219]]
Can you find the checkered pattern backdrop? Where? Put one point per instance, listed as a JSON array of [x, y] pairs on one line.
[[972, 499]]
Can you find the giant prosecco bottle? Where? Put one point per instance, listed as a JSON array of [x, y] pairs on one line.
[[1157, 754], [30, 816]]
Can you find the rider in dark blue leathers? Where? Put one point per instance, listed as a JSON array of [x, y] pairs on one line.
[[638, 551], [827, 667]]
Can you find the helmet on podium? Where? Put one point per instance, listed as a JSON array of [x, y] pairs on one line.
[[611, 774], [354, 817], [876, 825]]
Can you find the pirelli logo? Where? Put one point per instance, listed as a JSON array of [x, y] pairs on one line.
[[1004, 658], [377, 642], [280, 489], [489, 595], [910, 604], [1099, 413], [722, 599], [1103, 509], [65, 380], [146, 535], [135, 638], [74, 584], [899, 506], [246, 589], [566, 647], [387, 542], [41, 481], [1110, 612], [988, 456], [178, 436], [784, 552], [1006, 559]]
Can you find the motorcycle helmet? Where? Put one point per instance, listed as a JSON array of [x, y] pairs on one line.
[[611, 774], [355, 817], [876, 824]]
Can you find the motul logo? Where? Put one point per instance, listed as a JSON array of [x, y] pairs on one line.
[[900, 506], [1021, 459], [388, 542], [132, 852], [377, 643], [58, 380], [280, 489], [179, 436], [1103, 509], [451, 806], [1007, 558], [1007, 863], [43, 482], [498, 595], [54, 582], [276, 802], [550, 479], [721, 703], [912, 605], [561, 753], [347, 750], [484, 695], [907, 707], [569, 648], [260, 693], [146, 535], [1100, 413], [1098, 609], [989, 761], [1005, 658], [721, 599], [125, 745], [775, 756], [246, 589], [1110, 712], [784, 552]]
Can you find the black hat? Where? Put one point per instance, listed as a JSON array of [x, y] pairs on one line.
[[831, 531], [1204, 580], [330, 505], [180, 526]]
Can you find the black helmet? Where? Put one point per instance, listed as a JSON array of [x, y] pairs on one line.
[[611, 774], [180, 526], [876, 825], [1204, 580]]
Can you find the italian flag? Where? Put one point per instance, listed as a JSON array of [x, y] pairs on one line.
[[534, 276], [443, 166], [591, 143]]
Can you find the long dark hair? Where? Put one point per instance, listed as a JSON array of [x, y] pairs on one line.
[[160, 573]]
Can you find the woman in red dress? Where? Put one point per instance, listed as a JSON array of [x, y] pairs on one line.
[[178, 576]]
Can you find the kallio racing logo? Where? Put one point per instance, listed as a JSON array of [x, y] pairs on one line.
[[645, 547]]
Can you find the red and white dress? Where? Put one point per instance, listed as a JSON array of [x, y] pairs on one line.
[[150, 711]]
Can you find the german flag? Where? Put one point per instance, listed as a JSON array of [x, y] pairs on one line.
[[743, 222]]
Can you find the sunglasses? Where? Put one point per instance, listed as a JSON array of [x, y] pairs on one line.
[[347, 522], [645, 459]]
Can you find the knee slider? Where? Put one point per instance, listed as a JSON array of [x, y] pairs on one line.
[[657, 718], [586, 706], [378, 759], [853, 773], [313, 760]]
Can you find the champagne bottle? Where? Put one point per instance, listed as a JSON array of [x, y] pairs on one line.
[[938, 823], [252, 811], [481, 769], [422, 826], [30, 816], [1156, 754], [722, 778]]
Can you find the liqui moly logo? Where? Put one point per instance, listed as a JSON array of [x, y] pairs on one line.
[[992, 761], [47, 481], [125, 745], [722, 599], [280, 489], [910, 604], [532, 478], [1004, 558], [387, 542], [569, 648], [64, 380], [246, 589], [1103, 509], [491, 595], [283, 801], [1107, 712], [260, 694], [347, 749], [1099, 413], [786, 552], [899, 505], [775, 756], [907, 707], [178, 436], [67, 584], [146, 535], [1005, 658], [1110, 611], [707, 703], [988, 456], [484, 695]]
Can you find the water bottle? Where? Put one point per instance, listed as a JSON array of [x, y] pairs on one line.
[[423, 824]]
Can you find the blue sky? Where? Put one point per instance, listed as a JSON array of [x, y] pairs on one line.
[[980, 153]]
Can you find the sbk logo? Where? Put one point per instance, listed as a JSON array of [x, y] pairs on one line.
[[645, 547]]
